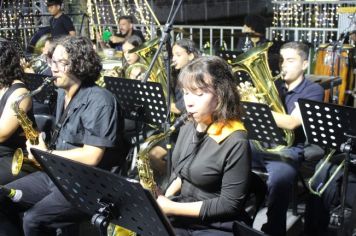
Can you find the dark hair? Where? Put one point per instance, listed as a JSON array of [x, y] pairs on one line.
[[256, 22], [10, 68], [84, 62], [127, 17], [301, 48], [213, 74], [54, 2], [134, 40], [189, 46]]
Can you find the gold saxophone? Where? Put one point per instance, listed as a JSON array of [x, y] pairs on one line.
[[27, 126], [254, 62], [145, 172]]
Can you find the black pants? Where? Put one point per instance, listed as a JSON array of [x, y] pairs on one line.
[[44, 207]]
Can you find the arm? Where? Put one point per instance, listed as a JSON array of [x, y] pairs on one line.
[[8, 120], [174, 187], [72, 33], [188, 209], [289, 122], [117, 39]]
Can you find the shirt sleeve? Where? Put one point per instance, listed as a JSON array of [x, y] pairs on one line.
[[68, 24], [234, 186], [100, 126]]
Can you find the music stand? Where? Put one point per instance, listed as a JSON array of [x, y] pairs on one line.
[[260, 124], [140, 101], [330, 126], [105, 196]]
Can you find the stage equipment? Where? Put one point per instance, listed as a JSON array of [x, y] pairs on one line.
[[30, 132], [330, 126], [255, 63], [336, 59]]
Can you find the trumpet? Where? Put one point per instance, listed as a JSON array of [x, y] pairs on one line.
[[321, 187], [30, 132]]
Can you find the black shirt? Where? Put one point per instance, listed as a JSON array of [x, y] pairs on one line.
[[61, 26], [94, 118], [118, 46], [214, 171]]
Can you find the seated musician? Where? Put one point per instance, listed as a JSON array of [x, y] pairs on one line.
[[132, 66], [126, 28], [283, 173], [12, 86], [184, 51], [88, 131], [255, 29], [211, 160]]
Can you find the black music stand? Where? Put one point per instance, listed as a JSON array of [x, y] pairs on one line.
[[260, 124], [140, 101], [104, 196], [331, 126]]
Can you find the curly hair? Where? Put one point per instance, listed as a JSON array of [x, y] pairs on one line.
[[84, 62], [214, 75], [10, 68]]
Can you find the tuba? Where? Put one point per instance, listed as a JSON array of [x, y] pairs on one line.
[[30, 132], [255, 63]]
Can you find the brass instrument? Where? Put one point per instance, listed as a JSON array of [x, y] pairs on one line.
[[319, 190], [26, 124], [255, 63]]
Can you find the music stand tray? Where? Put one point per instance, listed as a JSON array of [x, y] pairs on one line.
[[260, 124], [89, 188], [140, 101]]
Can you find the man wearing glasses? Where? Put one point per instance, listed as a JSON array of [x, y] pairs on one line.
[[88, 130]]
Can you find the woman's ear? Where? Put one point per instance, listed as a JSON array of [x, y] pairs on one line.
[[191, 56]]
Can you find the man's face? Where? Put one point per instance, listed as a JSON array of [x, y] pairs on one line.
[[54, 9], [292, 65], [125, 27], [60, 68]]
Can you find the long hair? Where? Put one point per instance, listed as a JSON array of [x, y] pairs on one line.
[[214, 75], [84, 62], [10, 68]]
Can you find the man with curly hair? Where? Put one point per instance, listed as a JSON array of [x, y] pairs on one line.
[[12, 86], [88, 130]]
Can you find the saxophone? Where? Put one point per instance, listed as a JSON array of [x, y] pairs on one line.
[[27, 126], [145, 172]]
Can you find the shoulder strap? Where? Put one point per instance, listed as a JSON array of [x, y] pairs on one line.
[[7, 94]]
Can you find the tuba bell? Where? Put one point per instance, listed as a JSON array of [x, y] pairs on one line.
[[255, 63]]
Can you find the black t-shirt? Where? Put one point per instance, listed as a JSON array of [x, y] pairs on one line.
[[61, 26], [118, 46]]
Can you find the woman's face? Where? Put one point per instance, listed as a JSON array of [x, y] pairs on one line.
[[131, 58], [200, 104], [181, 57]]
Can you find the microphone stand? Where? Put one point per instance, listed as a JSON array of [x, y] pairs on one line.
[[166, 40]]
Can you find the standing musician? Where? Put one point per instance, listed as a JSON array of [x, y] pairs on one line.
[[60, 23], [12, 86], [211, 164], [89, 129], [282, 174]]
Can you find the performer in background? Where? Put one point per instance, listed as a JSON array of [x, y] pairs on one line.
[[184, 51], [60, 23], [282, 174], [12, 86], [126, 26], [211, 161], [132, 58], [89, 130], [255, 29]]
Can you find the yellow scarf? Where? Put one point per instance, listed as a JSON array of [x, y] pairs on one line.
[[219, 131]]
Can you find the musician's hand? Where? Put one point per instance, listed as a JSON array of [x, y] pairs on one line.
[[117, 39], [165, 204], [41, 145]]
